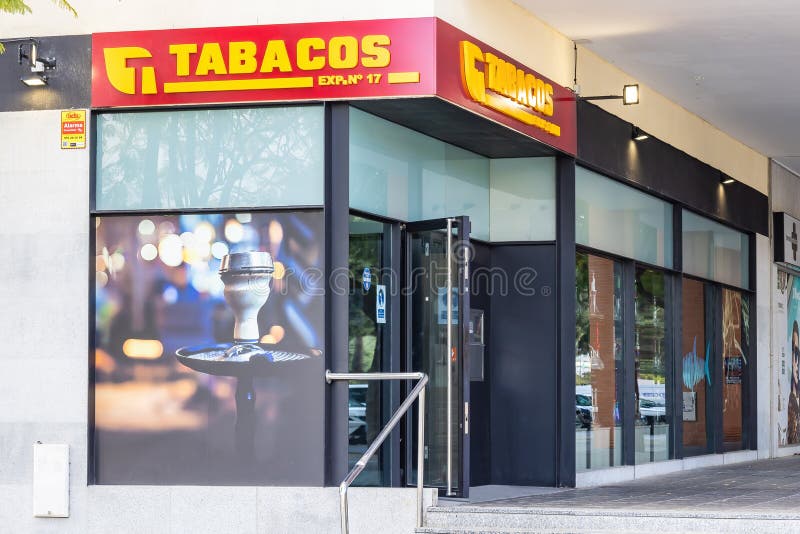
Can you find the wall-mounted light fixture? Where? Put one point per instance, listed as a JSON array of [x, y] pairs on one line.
[[630, 92], [638, 134], [39, 66], [629, 96], [726, 180]]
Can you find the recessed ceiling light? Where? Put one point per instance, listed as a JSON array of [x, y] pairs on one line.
[[639, 135]]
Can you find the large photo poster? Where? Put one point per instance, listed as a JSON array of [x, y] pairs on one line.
[[787, 334], [207, 358]]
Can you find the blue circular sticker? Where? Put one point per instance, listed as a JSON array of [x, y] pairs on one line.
[[366, 279]]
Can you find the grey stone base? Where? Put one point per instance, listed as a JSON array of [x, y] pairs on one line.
[[491, 520]]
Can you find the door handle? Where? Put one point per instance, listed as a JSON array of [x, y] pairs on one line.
[[466, 418]]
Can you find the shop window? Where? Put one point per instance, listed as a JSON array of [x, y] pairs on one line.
[[210, 158], [735, 352], [714, 251], [652, 380], [206, 415], [399, 173], [696, 365], [612, 217], [598, 362], [523, 199]]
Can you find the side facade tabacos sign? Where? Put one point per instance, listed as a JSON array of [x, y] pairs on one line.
[[423, 57], [480, 78]]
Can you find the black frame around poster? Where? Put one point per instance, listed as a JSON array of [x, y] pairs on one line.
[[94, 214]]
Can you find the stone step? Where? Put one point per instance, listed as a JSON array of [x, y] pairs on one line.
[[481, 519], [428, 530]]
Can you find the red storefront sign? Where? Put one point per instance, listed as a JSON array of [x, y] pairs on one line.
[[334, 60], [479, 78], [329, 61]]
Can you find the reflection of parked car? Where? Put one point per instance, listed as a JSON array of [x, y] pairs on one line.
[[584, 411], [358, 409], [357, 412], [651, 408], [358, 430]]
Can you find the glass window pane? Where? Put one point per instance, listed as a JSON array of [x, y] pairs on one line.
[[368, 342], [697, 426], [399, 173], [523, 199], [714, 251], [652, 424], [735, 343], [616, 218], [210, 158], [598, 362], [207, 417]]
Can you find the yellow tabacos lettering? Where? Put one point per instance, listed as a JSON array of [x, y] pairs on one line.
[[502, 86], [242, 57], [305, 61], [312, 53], [215, 66]]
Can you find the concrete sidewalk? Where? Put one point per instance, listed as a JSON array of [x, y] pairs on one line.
[[755, 497], [764, 485]]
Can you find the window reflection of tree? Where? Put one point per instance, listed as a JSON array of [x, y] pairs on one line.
[[582, 376], [365, 337], [206, 158], [734, 332], [650, 330]]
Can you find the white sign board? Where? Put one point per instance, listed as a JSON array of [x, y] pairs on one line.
[[50, 480], [442, 305], [689, 406], [380, 304], [787, 246]]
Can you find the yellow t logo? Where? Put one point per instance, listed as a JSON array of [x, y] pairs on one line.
[[123, 77]]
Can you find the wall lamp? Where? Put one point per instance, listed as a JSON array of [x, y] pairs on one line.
[[39, 66], [629, 96], [726, 180], [638, 134], [630, 92]]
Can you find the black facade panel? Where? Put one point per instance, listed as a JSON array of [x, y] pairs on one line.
[[605, 144], [565, 329], [337, 251], [449, 123], [523, 366], [68, 86]]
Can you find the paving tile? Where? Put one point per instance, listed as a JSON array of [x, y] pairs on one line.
[[764, 485]]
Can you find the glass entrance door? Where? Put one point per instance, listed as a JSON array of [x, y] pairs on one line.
[[436, 305]]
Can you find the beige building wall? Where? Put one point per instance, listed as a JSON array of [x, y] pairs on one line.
[[501, 23], [510, 28]]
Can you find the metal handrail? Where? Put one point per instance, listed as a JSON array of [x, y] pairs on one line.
[[418, 391]]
